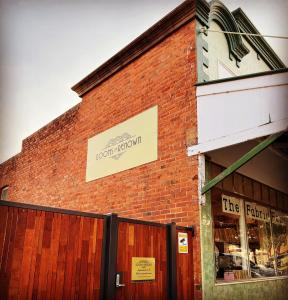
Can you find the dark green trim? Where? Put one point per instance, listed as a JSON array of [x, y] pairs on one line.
[[239, 22], [202, 60], [202, 11], [221, 14], [243, 77], [241, 161], [258, 43]]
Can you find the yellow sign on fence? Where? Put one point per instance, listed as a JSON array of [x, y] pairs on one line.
[[143, 268], [182, 242]]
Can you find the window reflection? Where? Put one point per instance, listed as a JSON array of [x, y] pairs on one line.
[[250, 240], [229, 240], [280, 240], [261, 252]]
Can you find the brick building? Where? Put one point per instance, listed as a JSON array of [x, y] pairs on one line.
[[157, 73]]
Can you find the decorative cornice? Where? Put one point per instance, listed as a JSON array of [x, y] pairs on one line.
[[258, 43], [171, 22], [220, 14], [202, 11], [239, 22]]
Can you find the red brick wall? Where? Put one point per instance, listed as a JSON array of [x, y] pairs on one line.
[[51, 168]]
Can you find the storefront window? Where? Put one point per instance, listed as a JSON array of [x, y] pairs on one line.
[[250, 240], [261, 252], [229, 239], [280, 241]]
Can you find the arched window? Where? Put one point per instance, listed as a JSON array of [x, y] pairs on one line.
[[4, 193]]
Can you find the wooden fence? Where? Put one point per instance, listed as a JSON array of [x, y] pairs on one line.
[[48, 253]]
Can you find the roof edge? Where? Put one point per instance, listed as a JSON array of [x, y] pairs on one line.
[[222, 15], [155, 34], [251, 75], [258, 43]]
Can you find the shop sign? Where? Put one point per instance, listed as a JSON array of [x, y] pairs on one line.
[[143, 268], [182, 242], [124, 146], [278, 217], [257, 212], [231, 205]]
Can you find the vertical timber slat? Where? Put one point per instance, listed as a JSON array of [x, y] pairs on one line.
[[111, 258], [103, 260], [171, 259], [47, 254]]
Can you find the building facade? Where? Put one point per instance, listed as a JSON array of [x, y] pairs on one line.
[[123, 149]]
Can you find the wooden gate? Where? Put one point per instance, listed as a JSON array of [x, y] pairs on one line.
[[49, 253]]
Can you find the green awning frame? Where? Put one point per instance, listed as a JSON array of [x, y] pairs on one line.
[[241, 161]]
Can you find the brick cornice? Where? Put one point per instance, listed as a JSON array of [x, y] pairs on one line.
[[171, 22]]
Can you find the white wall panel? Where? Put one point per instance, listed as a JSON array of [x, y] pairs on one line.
[[232, 112]]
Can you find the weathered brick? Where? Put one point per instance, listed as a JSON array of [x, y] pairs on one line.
[[51, 168]]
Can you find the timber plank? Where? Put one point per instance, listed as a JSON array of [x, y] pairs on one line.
[[3, 232], [143, 245], [17, 254], [54, 252], [38, 253], [78, 261], [27, 255], [44, 261], [185, 278], [238, 183], [4, 236], [84, 258], [70, 256], [34, 246], [97, 249], [4, 253], [92, 236], [74, 253], [3, 262], [61, 260], [9, 255]]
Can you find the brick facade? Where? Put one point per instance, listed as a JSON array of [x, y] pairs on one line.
[[50, 170]]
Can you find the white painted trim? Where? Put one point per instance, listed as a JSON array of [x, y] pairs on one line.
[[239, 137], [242, 84], [201, 178]]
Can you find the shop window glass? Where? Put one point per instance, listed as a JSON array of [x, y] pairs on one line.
[[280, 241], [250, 240], [229, 236], [260, 247]]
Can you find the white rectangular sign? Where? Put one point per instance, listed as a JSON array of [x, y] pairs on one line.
[[231, 205], [124, 146], [278, 217], [257, 212]]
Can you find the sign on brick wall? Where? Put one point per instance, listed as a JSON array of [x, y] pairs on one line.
[[127, 145]]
